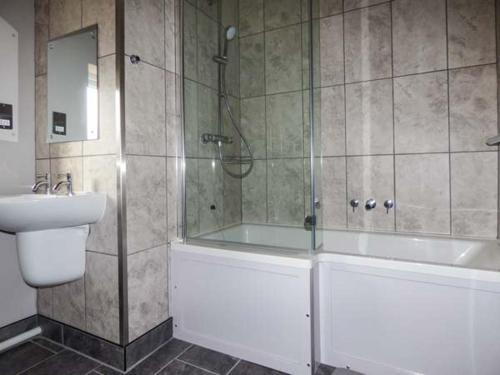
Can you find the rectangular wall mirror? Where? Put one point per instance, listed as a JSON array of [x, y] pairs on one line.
[[73, 98]]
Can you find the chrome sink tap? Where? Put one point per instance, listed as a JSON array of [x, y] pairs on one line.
[[42, 180], [68, 182]]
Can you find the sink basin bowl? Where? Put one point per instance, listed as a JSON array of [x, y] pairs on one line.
[[34, 212], [51, 233]]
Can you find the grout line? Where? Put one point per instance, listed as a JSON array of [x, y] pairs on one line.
[[196, 366], [36, 365], [449, 115], [394, 190], [235, 365], [43, 346]]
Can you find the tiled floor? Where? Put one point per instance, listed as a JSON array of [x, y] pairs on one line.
[[43, 357]]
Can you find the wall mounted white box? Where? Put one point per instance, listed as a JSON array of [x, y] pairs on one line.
[[249, 305], [9, 76]]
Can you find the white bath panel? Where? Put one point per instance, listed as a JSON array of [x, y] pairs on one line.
[[251, 306]]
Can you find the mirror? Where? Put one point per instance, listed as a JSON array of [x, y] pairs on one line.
[[72, 87]]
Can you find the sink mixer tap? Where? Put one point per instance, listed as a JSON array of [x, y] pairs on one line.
[[68, 182], [42, 180]]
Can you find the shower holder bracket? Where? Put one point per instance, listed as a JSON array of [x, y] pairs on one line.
[[215, 138]]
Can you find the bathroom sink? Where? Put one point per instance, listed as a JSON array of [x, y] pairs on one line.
[[36, 212]]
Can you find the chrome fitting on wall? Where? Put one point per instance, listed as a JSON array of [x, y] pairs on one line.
[[354, 204], [388, 204], [370, 204]]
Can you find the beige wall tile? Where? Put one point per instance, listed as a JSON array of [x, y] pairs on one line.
[[423, 193], [65, 17], [334, 194], [102, 13], [474, 194], [69, 303], [331, 50], [251, 16], [419, 36]]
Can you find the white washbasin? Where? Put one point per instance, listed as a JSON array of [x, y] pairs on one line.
[[51, 233], [34, 212]]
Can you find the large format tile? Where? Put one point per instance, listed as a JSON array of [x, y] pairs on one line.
[[44, 301], [99, 174], [334, 194], [419, 36], [145, 110], [321, 8], [285, 191], [471, 32], [281, 13], [248, 368], [473, 107], [254, 194], [21, 358], [42, 12], [252, 73], [369, 118], [211, 198], [41, 40], [147, 290], [41, 133], [101, 296], [251, 19], [69, 304], [354, 4], [253, 124], [62, 362], [207, 47], [283, 59], [146, 202], [211, 360], [371, 177], [173, 200], [102, 13], [18, 327], [160, 358], [232, 198], [92, 346], [474, 194], [192, 198], [208, 119], [191, 140], [332, 115], [148, 343], [171, 37], [145, 30], [368, 44], [284, 125], [331, 50], [190, 42], [421, 113], [423, 193], [182, 368], [65, 17]]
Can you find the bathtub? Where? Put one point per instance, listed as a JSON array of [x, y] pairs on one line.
[[381, 303]]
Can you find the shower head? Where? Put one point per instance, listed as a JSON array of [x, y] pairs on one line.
[[230, 32]]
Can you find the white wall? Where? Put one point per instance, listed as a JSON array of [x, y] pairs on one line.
[[17, 163]]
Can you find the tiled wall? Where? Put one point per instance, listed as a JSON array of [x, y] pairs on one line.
[[213, 197], [150, 153], [91, 303], [274, 68], [408, 98], [406, 92], [151, 146]]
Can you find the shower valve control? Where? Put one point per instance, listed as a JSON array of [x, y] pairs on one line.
[[388, 204], [354, 204], [370, 204]]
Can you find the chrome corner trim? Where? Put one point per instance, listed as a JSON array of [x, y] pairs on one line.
[[181, 159], [311, 126], [121, 169]]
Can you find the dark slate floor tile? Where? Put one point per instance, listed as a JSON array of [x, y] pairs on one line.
[[22, 358], [160, 358], [53, 347], [148, 342], [17, 328], [50, 329], [248, 368], [209, 359], [64, 363], [324, 370], [182, 368], [104, 370], [95, 347]]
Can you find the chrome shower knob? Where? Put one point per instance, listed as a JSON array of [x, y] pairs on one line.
[[370, 204], [388, 204], [354, 204]]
